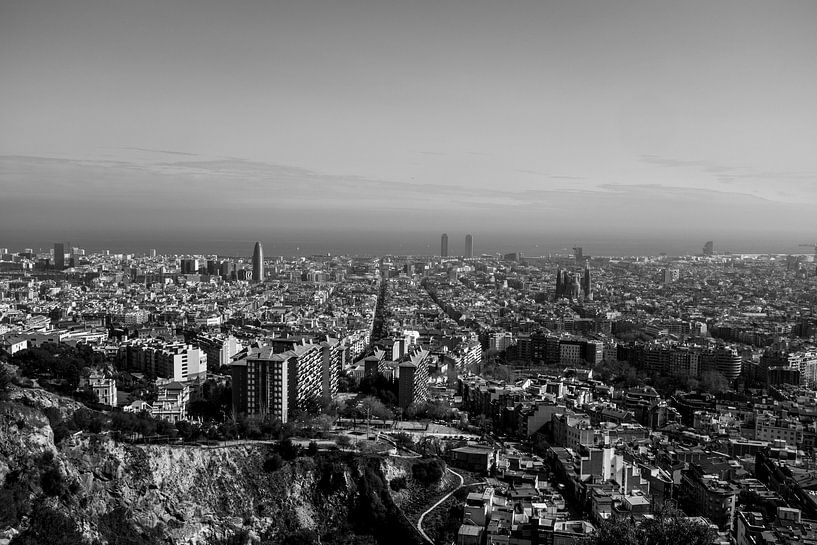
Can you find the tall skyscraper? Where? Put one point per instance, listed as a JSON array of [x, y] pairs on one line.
[[444, 245], [469, 246], [189, 265], [258, 263], [587, 285], [153, 252], [59, 255], [228, 270], [709, 248]]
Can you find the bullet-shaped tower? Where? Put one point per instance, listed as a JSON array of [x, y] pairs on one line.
[[258, 263]]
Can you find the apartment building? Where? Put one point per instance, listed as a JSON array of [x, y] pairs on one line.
[[413, 379], [266, 382], [331, 365], [260, 383], [172, 360]]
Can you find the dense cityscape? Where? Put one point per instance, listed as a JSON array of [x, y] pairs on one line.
[[530, 399]]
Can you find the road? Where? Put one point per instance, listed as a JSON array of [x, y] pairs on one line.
[[433, 507]]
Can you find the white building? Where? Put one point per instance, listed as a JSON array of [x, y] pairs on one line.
[[104, 389], [12, 343]]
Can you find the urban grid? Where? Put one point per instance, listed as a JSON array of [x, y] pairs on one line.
[[559, 391]]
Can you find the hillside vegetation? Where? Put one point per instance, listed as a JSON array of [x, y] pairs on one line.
[[86, 488]]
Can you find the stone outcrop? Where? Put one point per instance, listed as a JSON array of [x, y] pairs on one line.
[[176, 494]]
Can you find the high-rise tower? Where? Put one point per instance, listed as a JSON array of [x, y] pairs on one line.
[[258, 263], [587, 286], [59, 256], [469, 246], [444, 245]]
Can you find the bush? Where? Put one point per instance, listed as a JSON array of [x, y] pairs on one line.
[[332, 471], [49, 526], [397, 484], [312, 449], [289, 450], [53, 482], [428, 472], [343, 441], [404, 441], [302, 537], [188, 431], [5, 380], [273, 463], [9, 512], [14, 498]]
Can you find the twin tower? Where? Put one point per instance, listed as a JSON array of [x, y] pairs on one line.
[[469, 246]]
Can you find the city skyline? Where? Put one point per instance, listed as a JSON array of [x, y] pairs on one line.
[[628, 118], [419, 244], [370, 272]]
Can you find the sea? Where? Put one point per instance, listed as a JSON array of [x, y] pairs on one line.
[[362, 243]]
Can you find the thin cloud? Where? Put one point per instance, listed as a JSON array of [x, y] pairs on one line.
[[149, 150], [549, 176], [773, 186]]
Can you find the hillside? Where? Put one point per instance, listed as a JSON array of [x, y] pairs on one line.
[[91, 489]]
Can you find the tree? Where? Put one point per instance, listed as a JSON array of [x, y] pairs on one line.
[[5, 381], [380, 387], [323, 423], [428, 471], [398, 483], [437, 410], [713, 382], [372, 407], [273, 463], [289, 450], [52, 481], [188, 431], [498, 372], [669, 527], [214, 403], [404, 441], [347, 383], [693, 384]]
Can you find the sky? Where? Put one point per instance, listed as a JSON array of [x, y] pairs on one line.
[[585, 120]]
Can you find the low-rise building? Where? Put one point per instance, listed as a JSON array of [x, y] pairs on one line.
[[104, 388]]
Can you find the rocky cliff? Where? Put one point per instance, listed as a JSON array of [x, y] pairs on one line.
[[92, 489]]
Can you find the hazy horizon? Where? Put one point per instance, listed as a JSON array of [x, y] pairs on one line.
[[413, 243], [561, 120]]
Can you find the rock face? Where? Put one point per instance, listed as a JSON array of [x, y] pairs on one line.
[[173, 494]]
